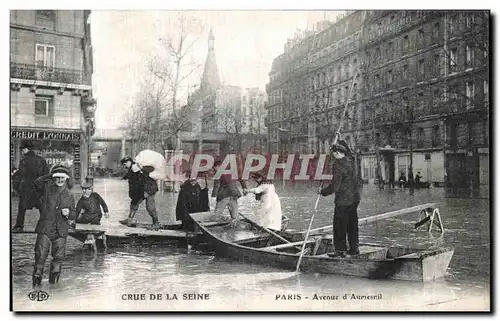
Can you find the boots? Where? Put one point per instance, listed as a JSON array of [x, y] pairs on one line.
[[37, 280], [54, 277], [130, 220]]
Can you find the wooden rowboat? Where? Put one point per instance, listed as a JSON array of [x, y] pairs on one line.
[[253, 245]]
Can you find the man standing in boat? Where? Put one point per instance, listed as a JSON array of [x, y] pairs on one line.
[[227, 194], [345, 186]]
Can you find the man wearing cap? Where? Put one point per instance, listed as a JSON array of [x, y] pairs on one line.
[[140, 187], [345, 186], [56, 211], [31, 167]]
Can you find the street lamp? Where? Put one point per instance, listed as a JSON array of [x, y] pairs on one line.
[[90, 110], [281, 130]]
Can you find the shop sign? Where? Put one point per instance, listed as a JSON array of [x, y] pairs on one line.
[[44, 135]]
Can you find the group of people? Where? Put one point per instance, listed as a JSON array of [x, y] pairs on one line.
[[193, 198], [49, 191]]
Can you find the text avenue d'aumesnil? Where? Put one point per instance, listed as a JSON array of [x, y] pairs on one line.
[[322, 297], [253, 163]]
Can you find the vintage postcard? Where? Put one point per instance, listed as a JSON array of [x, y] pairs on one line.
[[280, 160]]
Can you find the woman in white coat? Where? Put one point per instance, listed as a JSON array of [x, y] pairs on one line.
[[269, 214]]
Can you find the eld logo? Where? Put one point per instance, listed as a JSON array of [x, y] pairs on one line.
[[38, 295]]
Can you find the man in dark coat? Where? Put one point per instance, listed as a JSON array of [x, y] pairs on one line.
[[57, 209], [345, 186], [31, 167], [192, 199], [140, 187]]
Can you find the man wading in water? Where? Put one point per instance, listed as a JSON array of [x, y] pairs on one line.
[[57, 209], [345, 186]]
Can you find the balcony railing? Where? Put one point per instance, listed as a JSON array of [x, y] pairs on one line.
[[62, 75]]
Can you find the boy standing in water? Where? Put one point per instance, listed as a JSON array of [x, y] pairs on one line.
[[88, 208]]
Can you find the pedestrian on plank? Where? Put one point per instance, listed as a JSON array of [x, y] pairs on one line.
[[90, 207], [56, 213], [347, 197], [227, 194], [141, 187], [31, 167]]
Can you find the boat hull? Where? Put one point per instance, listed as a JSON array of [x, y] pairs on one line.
[[382, 263]]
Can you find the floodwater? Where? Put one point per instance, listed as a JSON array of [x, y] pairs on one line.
[[110, 281]]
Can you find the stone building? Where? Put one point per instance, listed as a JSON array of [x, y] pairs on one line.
[[420, 98], [308, 83], [51, 99], [423, 99]]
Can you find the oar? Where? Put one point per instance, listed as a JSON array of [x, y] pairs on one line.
[[265, 229], [307, 234]]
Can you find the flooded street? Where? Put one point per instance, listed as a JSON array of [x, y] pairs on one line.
[[105, 281]]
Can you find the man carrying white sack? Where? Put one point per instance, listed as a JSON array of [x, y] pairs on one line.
[[270, 213]]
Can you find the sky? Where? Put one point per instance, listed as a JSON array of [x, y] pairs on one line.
[[246, 42]]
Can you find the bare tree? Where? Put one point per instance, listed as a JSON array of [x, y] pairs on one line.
[[157, 115]]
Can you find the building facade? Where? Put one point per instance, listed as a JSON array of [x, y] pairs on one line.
[[419, 95], [51, 99]]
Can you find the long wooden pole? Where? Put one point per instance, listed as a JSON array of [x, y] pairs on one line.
[[337, 134]]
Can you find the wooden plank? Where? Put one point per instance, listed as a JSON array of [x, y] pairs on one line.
[[266, 229], [375, 218], [282, 246]]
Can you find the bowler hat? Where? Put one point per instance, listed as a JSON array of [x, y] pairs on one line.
[[26, 144], [126, 159], [86, 185], [339, 148]]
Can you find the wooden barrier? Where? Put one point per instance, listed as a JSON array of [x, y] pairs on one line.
[[428, 207]]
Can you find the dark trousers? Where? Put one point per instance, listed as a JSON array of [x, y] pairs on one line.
[[44, 244], [345, 221], [150, 206], [21, 212]]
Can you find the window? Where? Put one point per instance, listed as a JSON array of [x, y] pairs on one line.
[[469, 53], [42, 106], [45, 18], [421, 67], [45, 56], [377, 54], [420, 37], [355, 92], [377, 81], [436, 136], [390, 49], [405, 72], [469, 20], [421, 101], [485, 90], [377, 139], [470, 94], [437, 64], [453, 59], [453, 23], [389, 76], [339, 96], [436, 97], [420, 138], [347, 71], [435, 31], [406, 44]]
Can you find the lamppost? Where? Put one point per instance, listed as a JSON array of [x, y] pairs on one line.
[[281, 130], [89, 118]]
